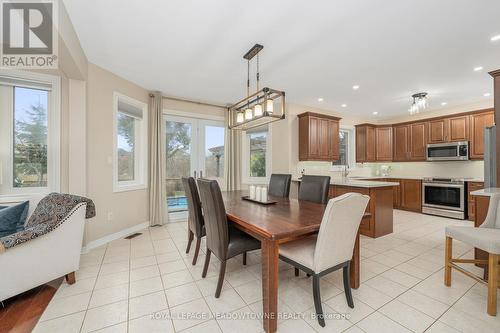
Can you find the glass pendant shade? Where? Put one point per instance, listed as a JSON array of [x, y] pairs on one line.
[[269, 106], [248, 114], [257, 110], [240, 117]]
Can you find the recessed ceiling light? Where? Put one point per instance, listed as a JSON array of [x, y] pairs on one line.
[[495, 38], [320, 99], [443, 103], [486, 94], [355, 87], [375, 113], [478, 68], [344, 105]]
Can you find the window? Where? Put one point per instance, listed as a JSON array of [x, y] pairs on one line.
[[257, 155], [130, 144], [346, 148], [29, 133]]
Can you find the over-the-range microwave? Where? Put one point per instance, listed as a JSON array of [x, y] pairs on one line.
[[450, 151]]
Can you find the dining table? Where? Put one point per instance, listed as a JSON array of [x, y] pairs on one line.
[[284, 221]]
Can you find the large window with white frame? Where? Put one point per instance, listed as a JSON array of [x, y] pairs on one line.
[[29, 133], [346, 148], [256, 150], [130, 144]]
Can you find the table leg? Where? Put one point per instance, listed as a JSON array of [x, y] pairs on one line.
[[355, 265], [270, 257]]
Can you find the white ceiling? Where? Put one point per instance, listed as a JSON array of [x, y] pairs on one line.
[[312, 49]]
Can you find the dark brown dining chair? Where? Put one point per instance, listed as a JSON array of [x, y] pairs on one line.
[[314, 188], [196, 224], [279, 185], [332, 248], [223, 239]]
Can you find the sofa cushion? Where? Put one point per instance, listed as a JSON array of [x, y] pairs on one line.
[[12, 218]]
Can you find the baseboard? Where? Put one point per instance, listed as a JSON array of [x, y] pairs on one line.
[[117, 235]]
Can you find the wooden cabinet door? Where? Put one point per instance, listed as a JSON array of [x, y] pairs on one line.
[[324, 139], [400, 142], [396, 193], [458, 128], [370, 144], [360, 144], [334, 140], [314, 137], [478, 122], [384, 143], [411, 195], [437, 131], [471, 204], [418, 141]]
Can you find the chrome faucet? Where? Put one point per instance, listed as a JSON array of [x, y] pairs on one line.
[[345, 171]]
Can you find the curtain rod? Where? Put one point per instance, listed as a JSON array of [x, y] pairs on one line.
[[190, 101]]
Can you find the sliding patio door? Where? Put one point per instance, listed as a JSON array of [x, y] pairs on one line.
[[194, 147]]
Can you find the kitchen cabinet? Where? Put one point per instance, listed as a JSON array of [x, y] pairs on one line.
[[401, 135], [478, 122], [437, 131], [365, 143], [383, 141], [318, 137], [471, 200], [396, 195], [449, 129], [411, 195], [418, 141]]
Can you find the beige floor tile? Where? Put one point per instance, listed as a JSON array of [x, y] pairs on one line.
[[112, 280], [371, 296], [463, 322], [190, 314], [386, 286], [425, 304], [228, 301], [79, 287], [354, 315], [68, 324], [406, 316], [118, 328], [66, 305], [208, 285], [172, 266], [240, 321], [114, 268], [146, 286], [378, 323], [439, 327], [147, 305], [210, 326], [142, 262], [109, 295], [182, 294], [250, 292], [104, 316], [402, 278], [334, 321], [144, 273], [150, 324]]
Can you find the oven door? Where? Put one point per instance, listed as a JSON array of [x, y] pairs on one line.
[[446, 196]]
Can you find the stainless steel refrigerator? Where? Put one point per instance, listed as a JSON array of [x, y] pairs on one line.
[[490, 160]]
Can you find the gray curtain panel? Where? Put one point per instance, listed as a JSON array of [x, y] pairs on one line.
[[232, 162], [157, 196]]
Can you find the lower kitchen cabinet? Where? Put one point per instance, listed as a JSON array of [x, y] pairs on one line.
[[411, 195], [471, 200]]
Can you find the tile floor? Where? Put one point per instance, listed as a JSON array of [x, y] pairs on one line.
[[148, 284]]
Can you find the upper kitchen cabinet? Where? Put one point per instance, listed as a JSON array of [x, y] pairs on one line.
[[383, 143], [318, 137], [418, 141], [437, 130], [449, 129], [365, 143], [478, 122], [401, 137]]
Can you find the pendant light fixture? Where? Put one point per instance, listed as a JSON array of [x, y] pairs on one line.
[[419, 103], [262, 107]]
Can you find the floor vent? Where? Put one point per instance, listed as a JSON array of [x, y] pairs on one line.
[[133, 235]]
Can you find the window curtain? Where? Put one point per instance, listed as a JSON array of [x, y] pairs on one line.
[[157, 192], [232, 161]]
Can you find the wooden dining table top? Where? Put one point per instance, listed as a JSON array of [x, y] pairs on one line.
[[288, 218]]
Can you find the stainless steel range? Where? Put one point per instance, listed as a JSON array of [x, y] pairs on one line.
[[444, 197]]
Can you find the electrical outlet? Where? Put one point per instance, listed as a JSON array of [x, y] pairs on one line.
[[110, 216]]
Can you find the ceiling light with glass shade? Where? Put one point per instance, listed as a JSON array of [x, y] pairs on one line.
[[419, 103], [264, 106]]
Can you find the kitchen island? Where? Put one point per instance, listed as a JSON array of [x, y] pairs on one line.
[[378, 220]]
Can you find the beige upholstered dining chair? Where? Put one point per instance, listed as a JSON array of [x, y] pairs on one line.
[[486, 238], [332, 248]]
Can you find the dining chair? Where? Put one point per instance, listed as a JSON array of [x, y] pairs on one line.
[[223, 239], [279, 185], [332, 248], [196, 223], [487, 238], [314, 188]]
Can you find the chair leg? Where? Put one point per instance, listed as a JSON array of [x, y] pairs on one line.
[[207, 261], [244, 258], [70, 278], [347, 285], [196, 250], [190, 240], [317, 301], [448, 251], [492, 283], [296, 271], [222, 272]]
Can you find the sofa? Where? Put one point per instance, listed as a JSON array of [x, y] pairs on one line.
[[48, 248]]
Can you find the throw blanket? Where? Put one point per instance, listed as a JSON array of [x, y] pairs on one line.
[[49, 214]]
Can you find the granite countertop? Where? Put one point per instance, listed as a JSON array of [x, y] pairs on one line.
[[410, 177], [486, 192], [357, 183]]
